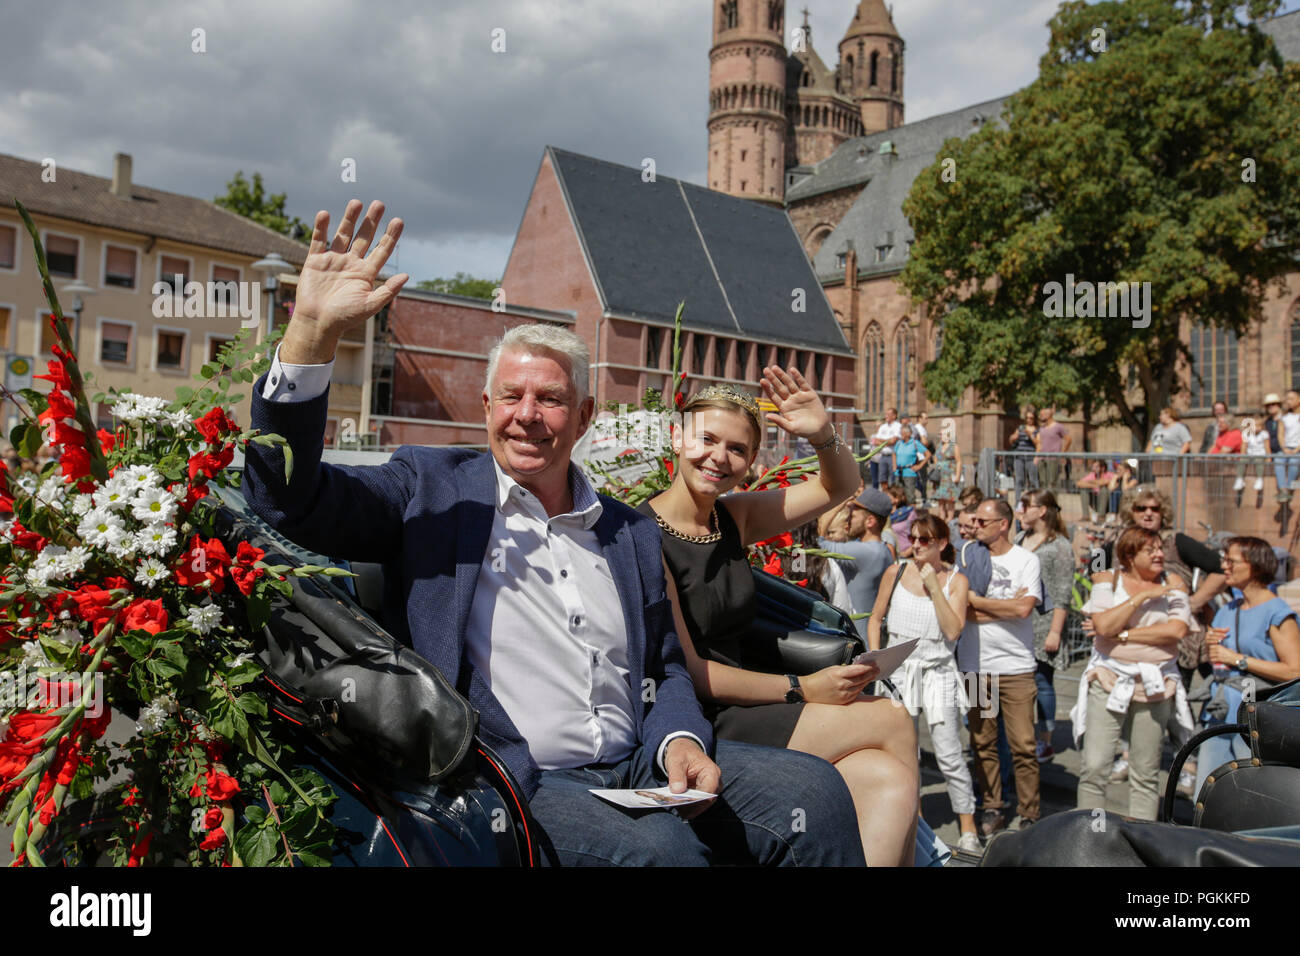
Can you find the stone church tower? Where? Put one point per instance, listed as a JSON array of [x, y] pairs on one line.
[[770, 109], [871, 65], [747, 121]]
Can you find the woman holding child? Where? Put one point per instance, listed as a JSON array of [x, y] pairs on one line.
[[706, 539]]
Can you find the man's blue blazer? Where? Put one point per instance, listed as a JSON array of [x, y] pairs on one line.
[[426, 515]]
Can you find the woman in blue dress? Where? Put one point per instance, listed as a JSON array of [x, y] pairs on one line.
[[1255, 637]]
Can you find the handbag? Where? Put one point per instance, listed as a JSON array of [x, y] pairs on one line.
[[795, 631]]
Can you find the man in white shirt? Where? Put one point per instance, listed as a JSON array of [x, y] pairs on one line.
[[1286, 466], [889, 433], [543, 603], [1002, 656]]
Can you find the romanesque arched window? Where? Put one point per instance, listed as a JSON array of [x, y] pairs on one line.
[[729, 15], [873, 368]]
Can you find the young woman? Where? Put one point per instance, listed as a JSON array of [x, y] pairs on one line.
[[929, 603], [1045, 535], [1025, 439], [1124, 480], [705, 542], [1131, 683], [1254, 637], [948, 466]]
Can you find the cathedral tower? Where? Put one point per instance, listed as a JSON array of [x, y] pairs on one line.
[[747, 81], [871, 58]]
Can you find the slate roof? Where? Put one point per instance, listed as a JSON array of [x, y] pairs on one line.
[[735, 262], [1285, 31], [81, 197]]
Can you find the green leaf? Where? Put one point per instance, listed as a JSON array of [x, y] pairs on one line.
[[259, 611], [255, 815], [256, 845], [163, 669], [252, 704], [184, 393], [208, 370], [316, 854], [35, 400]]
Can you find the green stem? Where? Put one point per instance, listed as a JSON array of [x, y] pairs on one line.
[[98, 465]]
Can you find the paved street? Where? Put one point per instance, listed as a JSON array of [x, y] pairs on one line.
[[1060, 775]]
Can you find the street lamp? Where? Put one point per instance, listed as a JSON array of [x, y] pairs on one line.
[[271, 268], [78, 289]]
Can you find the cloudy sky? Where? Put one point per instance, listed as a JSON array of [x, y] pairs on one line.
[[443, 129]]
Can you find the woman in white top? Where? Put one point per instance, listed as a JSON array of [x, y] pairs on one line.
[[1131, 683], [925, 599], [1254, 451]]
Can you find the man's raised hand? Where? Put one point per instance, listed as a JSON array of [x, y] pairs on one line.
[[337, 288]]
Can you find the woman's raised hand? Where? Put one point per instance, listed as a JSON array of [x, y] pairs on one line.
[[337, 288], [839, 684], [799, 411]]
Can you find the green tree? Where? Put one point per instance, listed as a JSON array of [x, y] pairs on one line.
[[1160, 143], [461, 284], [250, 200]]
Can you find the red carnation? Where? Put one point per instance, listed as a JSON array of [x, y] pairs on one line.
[[221, 786], [145, 615], [212, 818], [92, 605], [773, 565], [208, 465], [214, 425], [242, 571], [214, 840], [203, 561], [24, 538], [193, 495]]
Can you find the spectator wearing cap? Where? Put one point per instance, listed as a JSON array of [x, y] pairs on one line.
[[868, 514]]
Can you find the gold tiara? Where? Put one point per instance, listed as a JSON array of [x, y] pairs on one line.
[[732, 395]]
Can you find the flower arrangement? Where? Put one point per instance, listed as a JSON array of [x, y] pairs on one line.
[[118, 597]]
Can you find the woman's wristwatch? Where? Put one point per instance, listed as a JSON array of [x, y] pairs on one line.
[[1240, 664]]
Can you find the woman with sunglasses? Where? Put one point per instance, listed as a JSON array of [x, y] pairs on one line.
[[1255, 637], [925, 599], [1131, 684], [706, 537]]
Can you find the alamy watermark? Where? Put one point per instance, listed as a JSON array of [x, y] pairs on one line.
[[1086, 300], [208, 300], [27, 690]]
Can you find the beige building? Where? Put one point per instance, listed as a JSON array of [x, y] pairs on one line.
[[123, 240]]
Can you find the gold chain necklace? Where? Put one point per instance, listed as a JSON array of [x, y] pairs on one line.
[[714, 535]]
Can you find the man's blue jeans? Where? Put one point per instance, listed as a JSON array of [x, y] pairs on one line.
[[1286, 470], [777, 808], [882, 470]]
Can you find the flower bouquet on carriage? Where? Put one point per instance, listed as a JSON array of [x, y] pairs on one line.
[[119, 600]]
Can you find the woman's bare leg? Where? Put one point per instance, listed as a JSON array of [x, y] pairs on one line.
[[873, 744]]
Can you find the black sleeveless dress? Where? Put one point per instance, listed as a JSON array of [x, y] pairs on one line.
[[716, 589]]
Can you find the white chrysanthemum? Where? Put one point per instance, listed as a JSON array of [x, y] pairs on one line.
[[124, 549], [151, 571], [56, 563], [113, 496], [153, 717], [81, 504], [137, 477], [41, 572], [101, 528], [204, 618], [154, 505], [178, 419], [139, 408], [34, 655], [156, 539], [50, 492]]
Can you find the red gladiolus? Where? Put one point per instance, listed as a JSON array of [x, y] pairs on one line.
[[214, 840], [132, 797], [107, 440], [60, 407], [145, 615], [203, 561], [214, 425], [139, 850], [57, 374], [75, 465], [221, 786], [773, 565]]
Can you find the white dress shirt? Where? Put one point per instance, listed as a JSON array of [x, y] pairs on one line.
[[546, 630]]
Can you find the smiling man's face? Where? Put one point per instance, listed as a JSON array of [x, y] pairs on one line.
[[534, 417]]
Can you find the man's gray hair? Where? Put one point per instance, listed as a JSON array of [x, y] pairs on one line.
[[538, 337]]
